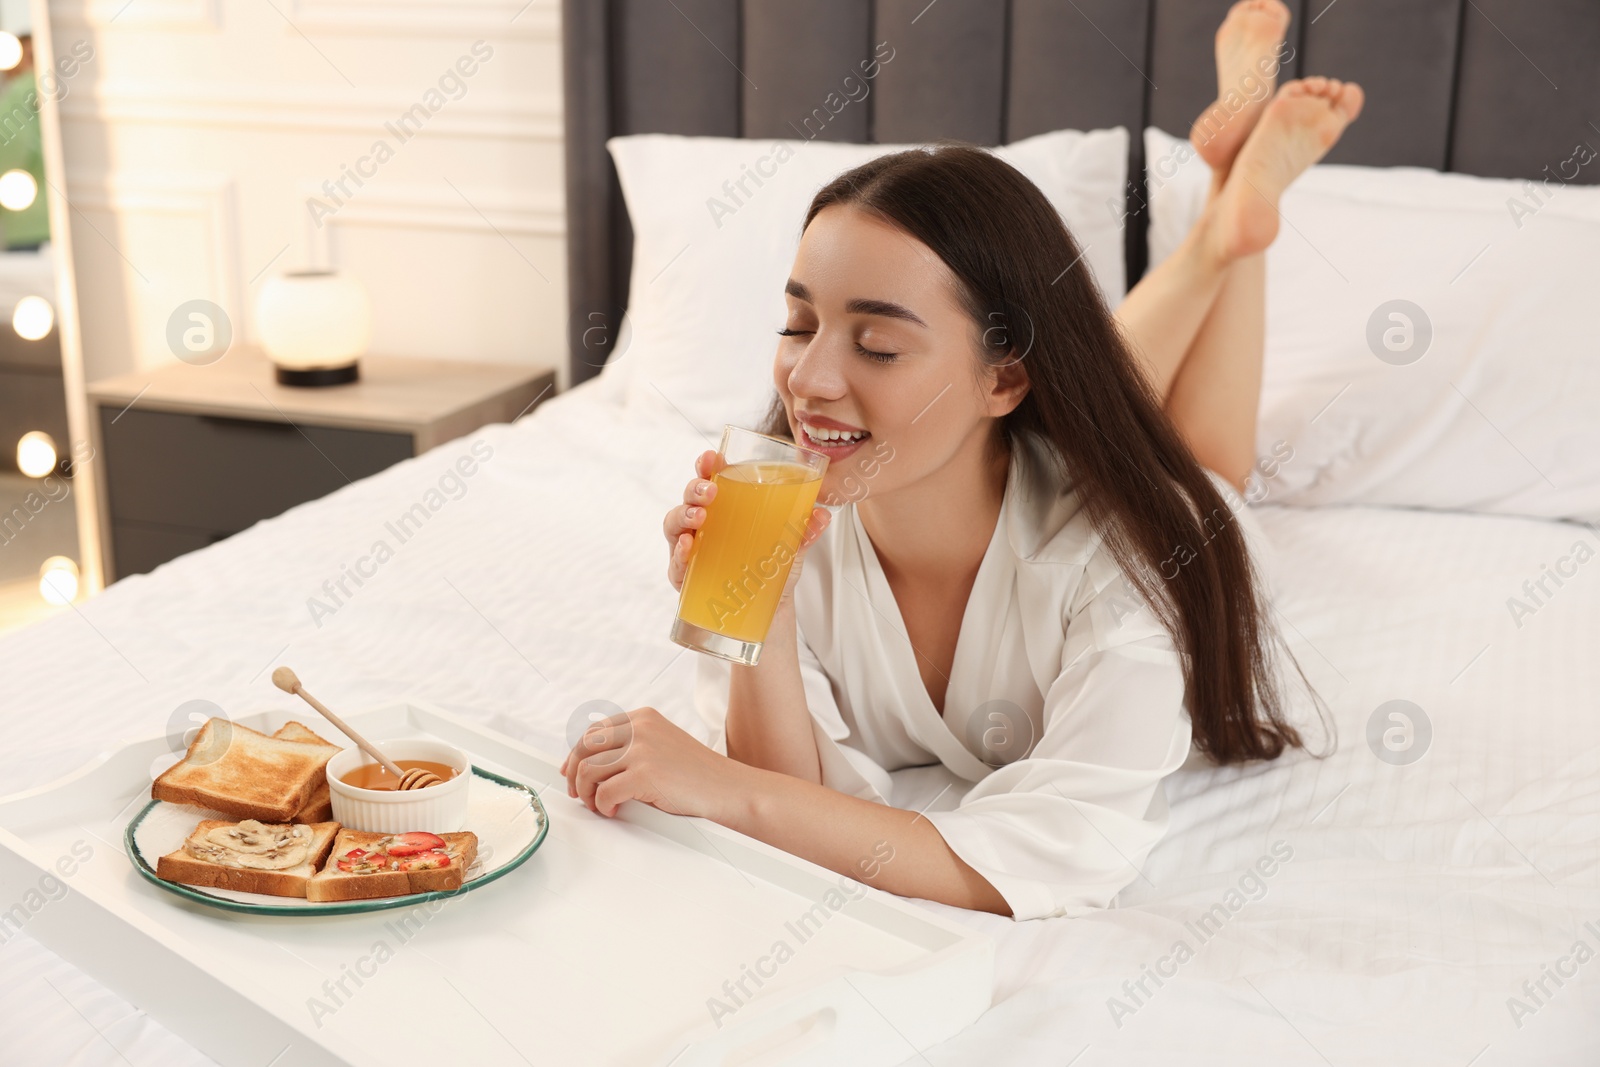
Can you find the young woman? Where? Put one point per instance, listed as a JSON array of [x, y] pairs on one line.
[[1038, 580]]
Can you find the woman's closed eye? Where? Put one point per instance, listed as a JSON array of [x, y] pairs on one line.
[[881, 357]]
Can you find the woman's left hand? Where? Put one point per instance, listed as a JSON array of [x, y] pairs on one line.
[[643, 755]]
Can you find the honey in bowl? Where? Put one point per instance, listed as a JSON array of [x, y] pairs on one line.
[[373, 776]]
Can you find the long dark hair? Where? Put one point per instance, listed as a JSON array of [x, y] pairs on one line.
[[1018, 266]]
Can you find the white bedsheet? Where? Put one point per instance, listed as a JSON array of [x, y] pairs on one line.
[[1418, 898]]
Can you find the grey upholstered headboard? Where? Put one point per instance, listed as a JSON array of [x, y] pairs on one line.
[[1503, 88]]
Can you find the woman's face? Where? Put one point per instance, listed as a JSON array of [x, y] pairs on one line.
[[878, 346]]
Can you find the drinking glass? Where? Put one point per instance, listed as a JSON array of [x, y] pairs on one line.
[[766, 488]]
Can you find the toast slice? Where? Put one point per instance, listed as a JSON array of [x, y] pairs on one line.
[[214, 860], [373, 870], [320, 807], [299, 731], [248, 775]]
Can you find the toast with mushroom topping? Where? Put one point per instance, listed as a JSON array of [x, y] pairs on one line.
[[278, 859]]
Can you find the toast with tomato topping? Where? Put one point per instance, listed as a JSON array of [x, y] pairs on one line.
[[320, 807], [366, 865], [250, 857], [248, 775]]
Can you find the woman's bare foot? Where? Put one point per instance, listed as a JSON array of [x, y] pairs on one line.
[[1248, 54], [1297, 128]]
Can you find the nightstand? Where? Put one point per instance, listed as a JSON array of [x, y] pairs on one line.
[[193, 454]]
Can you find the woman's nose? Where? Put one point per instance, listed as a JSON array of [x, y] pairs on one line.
[[817, 371]]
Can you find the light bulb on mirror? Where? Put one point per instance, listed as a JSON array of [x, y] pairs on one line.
[[58, 580], [33, 318], [10, 50], [36, 453], [17, 190]]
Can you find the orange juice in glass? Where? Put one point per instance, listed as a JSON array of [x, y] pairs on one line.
[[766, 489]]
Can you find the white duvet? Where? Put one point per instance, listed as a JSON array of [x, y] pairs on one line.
[[1342, 911]]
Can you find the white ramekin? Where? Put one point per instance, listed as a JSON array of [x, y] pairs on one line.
[[438, 809]]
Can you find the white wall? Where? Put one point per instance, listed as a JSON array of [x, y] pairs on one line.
[[199, 138]]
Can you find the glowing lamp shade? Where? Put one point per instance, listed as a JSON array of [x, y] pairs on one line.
[[36, 454], [10, 50], [18, 190], [33, 318], [315, 325], [58, 580]]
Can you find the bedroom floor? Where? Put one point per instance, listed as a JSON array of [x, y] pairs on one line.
[[52, 532]]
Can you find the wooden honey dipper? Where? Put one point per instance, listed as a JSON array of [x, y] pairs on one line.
[[415, 778]]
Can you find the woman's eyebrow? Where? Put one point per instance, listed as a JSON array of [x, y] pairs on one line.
[[884, 308], [859, 306]]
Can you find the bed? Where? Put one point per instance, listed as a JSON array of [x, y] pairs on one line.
[[1347, 910]]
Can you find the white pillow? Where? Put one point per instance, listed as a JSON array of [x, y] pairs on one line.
[[716, 223], [1433, 340]]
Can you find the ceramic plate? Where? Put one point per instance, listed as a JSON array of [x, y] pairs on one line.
[[507, 817]]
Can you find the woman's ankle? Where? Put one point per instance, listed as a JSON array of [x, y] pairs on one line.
[[1207, 243]]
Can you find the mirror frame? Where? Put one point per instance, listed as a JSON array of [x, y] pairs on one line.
[[85, 475]]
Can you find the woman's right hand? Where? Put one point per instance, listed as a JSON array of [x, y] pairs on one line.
[[685, 520], [682, 521]]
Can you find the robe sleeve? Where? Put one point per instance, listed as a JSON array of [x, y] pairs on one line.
[[1061, 831], [845, 767]]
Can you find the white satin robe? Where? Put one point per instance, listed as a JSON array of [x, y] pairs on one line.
[[1059, 667]]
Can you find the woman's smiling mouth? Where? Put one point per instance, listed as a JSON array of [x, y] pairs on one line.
[[832, 438]]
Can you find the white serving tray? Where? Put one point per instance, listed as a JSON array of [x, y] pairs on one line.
[[605, 947]]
